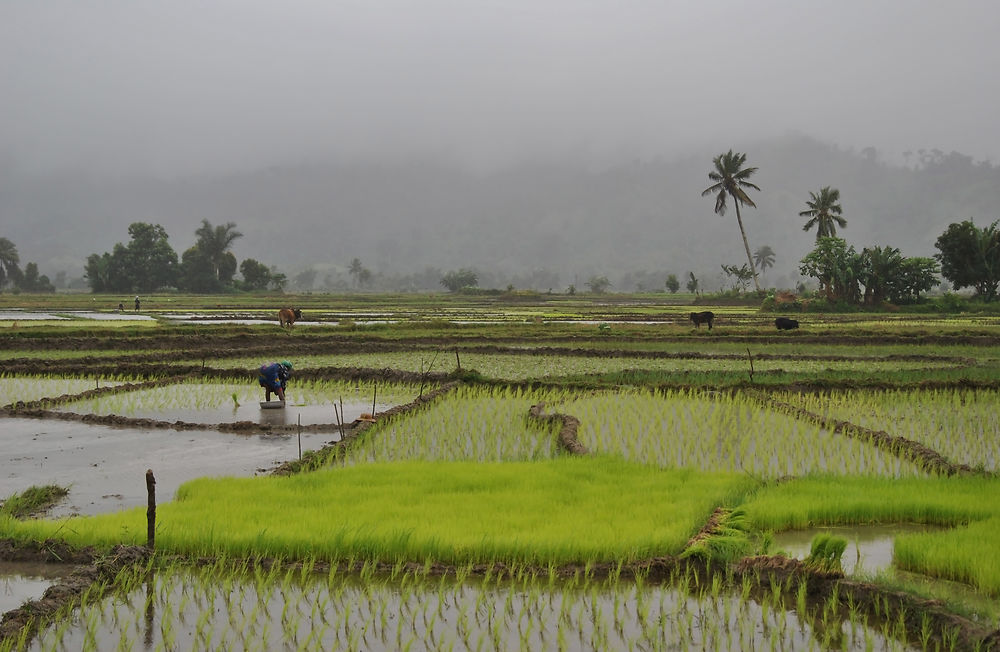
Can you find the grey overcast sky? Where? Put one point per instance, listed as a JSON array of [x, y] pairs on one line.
[[189, 86]]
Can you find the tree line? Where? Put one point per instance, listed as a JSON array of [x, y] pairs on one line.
[[148, 263], [969, 256]]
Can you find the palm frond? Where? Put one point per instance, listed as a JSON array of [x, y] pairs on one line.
[[720, 203]]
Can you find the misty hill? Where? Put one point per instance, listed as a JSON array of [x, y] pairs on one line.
[[570, 220]]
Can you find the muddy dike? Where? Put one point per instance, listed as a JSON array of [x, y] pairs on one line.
[[568, 427]]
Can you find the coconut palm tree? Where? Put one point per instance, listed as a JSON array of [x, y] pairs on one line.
[[763, 258], [824, 213], [731, 180], [214, 242], [8, 260]]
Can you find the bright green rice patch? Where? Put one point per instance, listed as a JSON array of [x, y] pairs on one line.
[[558, 511], [969, 553]]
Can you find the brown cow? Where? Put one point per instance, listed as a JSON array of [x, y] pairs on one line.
[[287, 316]]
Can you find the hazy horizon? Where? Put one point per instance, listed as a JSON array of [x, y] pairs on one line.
[[185, 88]]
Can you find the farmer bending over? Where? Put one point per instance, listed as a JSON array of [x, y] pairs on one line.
[[274, 377]]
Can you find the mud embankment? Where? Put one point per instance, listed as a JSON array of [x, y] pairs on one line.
[[568, 428]]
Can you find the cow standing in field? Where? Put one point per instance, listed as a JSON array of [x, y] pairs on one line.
[[287, 316], [700, 318], [786, 324]]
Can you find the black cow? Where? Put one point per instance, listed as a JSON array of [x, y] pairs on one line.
[[700, 318], [786, 324]]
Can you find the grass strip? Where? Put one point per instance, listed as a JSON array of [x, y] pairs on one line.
[[567, 510]]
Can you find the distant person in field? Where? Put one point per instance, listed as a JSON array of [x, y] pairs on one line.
[[137, 303], [121, 307], [274, 377]]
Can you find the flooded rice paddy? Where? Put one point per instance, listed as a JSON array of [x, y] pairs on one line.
[[104, 467], [254, 610]]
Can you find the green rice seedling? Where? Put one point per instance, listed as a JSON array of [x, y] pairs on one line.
[[34, 388], [472, 423], [713, 431], [825, 553], [193, 395], [961, 424], [515, 367]]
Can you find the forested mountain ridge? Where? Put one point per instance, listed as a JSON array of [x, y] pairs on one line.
[[571, 220]]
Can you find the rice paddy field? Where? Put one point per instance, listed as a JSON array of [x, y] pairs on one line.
[[481, 474]]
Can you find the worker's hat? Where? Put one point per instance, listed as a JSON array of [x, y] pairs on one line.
[[286, 364]]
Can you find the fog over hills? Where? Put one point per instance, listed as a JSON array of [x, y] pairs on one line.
[[562, 221], [539, 142]]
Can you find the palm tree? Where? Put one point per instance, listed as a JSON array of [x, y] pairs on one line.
[[214, 242], [730, 179], [824, 213], [763, 257], [8, 260]]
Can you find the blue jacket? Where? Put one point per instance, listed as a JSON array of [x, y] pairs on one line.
[[273, 375]]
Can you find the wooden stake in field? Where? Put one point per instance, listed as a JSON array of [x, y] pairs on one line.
[[150, 509], [374, 394], [300, 436], [340, 417]]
